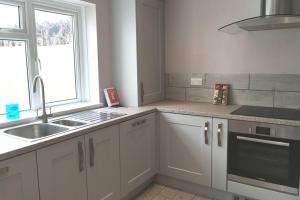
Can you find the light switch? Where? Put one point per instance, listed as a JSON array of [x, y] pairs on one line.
[[196, 81]]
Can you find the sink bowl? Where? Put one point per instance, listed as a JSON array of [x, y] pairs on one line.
[[71, 123], [35, 131]]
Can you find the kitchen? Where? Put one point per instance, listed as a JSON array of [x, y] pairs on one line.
[[167, 140]]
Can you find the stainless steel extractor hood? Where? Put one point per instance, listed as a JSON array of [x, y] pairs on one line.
[[275, 14]]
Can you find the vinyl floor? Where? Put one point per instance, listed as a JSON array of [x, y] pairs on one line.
[[160, 192]]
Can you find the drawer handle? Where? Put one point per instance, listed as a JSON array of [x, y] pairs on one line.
[[4, 171], [80, 156], [92, 152], [219, 135], [138, 123], [142, 92], [206, 132]]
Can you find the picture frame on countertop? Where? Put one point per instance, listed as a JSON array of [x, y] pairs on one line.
[[111, 97]]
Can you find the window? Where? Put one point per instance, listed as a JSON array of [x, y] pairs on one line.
[[46, 45], [55, 45], [13, 74], [10, 17]]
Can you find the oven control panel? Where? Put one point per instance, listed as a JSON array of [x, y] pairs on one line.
[[264, 129]]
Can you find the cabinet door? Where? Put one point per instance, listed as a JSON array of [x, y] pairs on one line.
[[150, 40], [103, 164], [18, 178], [219, 154], [61, 169], [137, 149], [185, 147]]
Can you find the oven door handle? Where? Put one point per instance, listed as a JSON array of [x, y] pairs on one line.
[[284, 144]]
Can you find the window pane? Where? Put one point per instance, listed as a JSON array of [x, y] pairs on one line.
[[9, 17], [55, 40], [13, 74]]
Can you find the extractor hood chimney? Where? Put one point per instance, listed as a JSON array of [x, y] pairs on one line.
[[275, 14]]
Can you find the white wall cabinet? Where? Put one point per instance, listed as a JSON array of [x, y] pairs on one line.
[[150, 41], [137, 151], [103, 164], [61, 169], [185, 147], [138, 50], [18, 178], [219, 154]]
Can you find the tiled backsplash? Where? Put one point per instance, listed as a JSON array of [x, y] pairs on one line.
[[279, 90]]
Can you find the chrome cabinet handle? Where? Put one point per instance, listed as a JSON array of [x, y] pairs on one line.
[[219, 135], [92, 152], [4, 171], [206, 132], [138, 123], [80, 156], [142, 92]]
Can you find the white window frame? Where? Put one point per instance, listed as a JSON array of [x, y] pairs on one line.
[[74, 13], [19, 35], [28, 34], [22, 17]]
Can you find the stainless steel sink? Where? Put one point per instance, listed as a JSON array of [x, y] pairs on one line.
[[67, 122], [35, 131]]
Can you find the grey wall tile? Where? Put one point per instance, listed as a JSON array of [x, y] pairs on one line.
[[237, 81], [287, 100], [199, 94], [280, 82], [174, 93], [260, 94], [252, 98], [178, 80]]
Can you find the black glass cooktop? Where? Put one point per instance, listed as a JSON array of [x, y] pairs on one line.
[[267, 112]]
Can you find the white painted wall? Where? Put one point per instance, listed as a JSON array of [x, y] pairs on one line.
[[193, 43], [104, 43], [124, 51], [117, 48]]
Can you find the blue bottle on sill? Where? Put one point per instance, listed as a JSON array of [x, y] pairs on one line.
[[12, 111]]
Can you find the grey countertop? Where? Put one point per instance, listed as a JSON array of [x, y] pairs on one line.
[[217, 111], [10, 147]]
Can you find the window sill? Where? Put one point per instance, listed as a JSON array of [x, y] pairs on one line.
[[73, 108], [30, 116]]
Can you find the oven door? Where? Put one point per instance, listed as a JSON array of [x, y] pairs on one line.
[[264, 162]]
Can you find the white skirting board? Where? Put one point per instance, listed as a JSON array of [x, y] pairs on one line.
[[233, 188], [193, 188], [258, 193], [138, 190]]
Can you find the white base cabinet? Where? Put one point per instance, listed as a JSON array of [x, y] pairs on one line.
[[103, 164], [109, 163], [18, 178], [137, 149], [61, 169], [219, 154], [82, 168], [194, 149], [185, 147]]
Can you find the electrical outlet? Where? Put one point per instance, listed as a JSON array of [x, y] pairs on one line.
[[196, 81]]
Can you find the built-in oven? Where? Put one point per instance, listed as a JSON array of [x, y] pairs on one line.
[[264, 155]]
